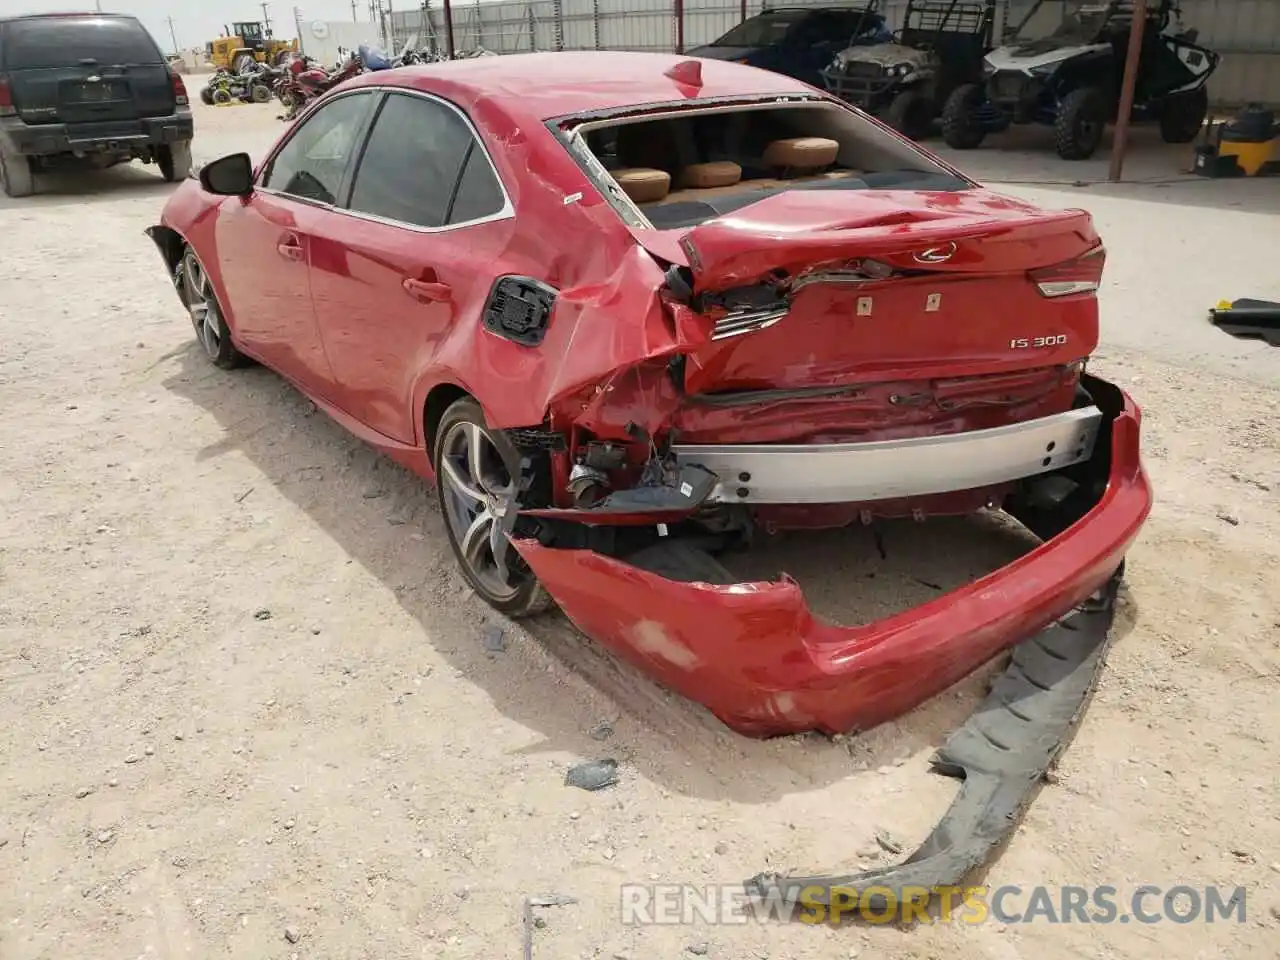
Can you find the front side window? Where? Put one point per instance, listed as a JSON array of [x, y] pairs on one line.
[[310, 166], [423, 166]]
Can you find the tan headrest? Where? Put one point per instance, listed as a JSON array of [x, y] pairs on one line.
[[801, 153], [643, 184], [718, 173]]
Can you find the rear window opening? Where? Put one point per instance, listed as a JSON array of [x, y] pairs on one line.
[[69, 41], [681, 168]]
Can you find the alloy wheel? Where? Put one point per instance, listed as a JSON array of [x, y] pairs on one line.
[[202, 305], [480, 508]]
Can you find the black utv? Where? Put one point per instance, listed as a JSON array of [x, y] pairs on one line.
[[907, 80], [1063, 66]]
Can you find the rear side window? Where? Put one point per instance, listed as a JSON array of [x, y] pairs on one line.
[[412, 165], [77, 41], [478, 193]]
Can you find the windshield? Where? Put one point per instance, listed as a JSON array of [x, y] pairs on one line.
[[77, 41], [1071, 21], [762, 31]]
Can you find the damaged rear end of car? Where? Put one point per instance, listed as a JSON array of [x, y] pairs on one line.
[[825, 327]]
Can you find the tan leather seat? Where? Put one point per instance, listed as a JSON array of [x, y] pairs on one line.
[[801, 154], [748, 186], [718, 173], [643, 184]]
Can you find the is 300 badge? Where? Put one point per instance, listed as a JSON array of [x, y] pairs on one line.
[[1036, 343]]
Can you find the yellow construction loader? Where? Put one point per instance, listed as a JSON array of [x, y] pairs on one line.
[[244, 43]]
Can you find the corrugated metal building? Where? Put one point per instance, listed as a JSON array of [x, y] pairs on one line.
[[1245, 32]]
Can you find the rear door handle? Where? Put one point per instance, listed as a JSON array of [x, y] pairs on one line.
[[426, 292], [290, 249]]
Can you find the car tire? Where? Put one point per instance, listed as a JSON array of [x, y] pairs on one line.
[[1081, 122], [206, 97], [212, 333], [960, 130], [911, 114], [260, 93], [1182, 115], [221, 96], [17, 177], [174, 160], [471, 462]]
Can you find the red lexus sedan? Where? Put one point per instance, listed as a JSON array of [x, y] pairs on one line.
[[623, 309]]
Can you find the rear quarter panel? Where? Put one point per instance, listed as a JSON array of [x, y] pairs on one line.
[[566, 235]]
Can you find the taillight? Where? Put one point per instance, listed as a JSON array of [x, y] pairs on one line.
[[1082, 275], [179, 88], [6, 98]]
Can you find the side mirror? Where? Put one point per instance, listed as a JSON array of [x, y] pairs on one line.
[[230, 176]]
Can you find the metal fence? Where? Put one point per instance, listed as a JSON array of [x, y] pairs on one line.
[[652, 25], [1247, 32]]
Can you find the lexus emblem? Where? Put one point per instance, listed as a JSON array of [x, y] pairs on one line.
[[936, 254]]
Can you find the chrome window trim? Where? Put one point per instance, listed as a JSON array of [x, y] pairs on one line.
[[506, 212]]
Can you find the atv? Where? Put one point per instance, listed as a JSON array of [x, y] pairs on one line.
[[225, 86], [1066, 71], [907, 81]]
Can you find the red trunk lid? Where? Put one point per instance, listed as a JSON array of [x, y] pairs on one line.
[[957, 299]]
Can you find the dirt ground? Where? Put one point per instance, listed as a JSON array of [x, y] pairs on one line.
[[246, 709]]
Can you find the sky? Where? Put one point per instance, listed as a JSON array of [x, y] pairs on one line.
[[195, 22]]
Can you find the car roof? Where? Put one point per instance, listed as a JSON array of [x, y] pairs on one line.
[[66, 14], [543, 86]]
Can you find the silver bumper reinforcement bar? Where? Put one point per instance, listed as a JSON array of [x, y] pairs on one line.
[[887, 469]]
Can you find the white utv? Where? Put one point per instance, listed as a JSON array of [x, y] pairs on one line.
[[1063, 66]]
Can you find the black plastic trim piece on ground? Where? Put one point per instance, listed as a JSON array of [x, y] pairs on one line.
[[1249, 320], [1001, 753]]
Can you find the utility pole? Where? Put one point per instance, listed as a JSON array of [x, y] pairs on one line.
[[266, 19], [174, 37], [354, 17]]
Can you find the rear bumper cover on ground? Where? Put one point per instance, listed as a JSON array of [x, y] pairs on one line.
[[1000, 755], [45, 139], [757, 657]]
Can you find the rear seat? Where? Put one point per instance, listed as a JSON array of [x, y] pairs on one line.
[[747, 186], [797, 159]]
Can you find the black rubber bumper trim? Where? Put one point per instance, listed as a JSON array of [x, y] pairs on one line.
[[1002, 754]]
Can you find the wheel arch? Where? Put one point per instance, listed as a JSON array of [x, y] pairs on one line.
[[169, 242], [172, 245], [439, 399]]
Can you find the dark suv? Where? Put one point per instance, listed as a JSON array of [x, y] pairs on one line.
[[88, 87]]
